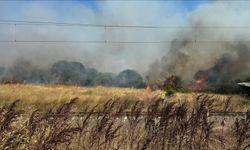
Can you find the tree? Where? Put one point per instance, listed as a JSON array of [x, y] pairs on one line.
[[129, 78]]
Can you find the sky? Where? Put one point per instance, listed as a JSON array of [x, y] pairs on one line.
[[112, 57], [94, 12], [183, 4], [59, 7]]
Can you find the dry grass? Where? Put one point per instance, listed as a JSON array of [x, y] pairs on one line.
[[164, 126], [49, 95]]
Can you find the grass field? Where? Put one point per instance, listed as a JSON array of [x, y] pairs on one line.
[[43, 96], [45, 119]]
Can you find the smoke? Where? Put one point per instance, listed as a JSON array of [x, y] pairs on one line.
[[104, 57], [210, 49], [208, 24], [229, 69]]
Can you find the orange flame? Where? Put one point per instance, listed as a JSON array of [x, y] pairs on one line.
[[148, 88], [202, 80], [199, 84]]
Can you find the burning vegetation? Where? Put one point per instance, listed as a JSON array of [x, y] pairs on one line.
[[75, 73], [220, 74]]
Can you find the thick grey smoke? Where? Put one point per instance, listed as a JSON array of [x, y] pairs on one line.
[[229, 69], [210, 48]]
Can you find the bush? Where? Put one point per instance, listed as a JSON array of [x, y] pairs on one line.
[[129, 78]]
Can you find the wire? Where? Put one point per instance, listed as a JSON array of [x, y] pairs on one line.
[[120, 42], [27, 41], [11, 22], [26, 22], [16, 23]]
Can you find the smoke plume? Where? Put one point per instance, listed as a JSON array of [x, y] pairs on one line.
[[211, 49]]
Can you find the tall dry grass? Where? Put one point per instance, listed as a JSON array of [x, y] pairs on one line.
[[114, 124], [47, 96]]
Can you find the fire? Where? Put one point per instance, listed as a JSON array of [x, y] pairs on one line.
[[148, 88], [202, 80], [199, 84]]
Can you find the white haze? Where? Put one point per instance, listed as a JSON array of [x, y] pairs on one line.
[[116, 57]]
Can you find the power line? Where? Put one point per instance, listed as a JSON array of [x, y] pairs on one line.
[[26, 22], [51, 41], [15, 23], [119, 42], [11, 22]]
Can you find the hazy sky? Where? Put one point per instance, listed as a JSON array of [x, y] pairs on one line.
[[107, 57]]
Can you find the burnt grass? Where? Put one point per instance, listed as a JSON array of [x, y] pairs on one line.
[[160, 125]]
